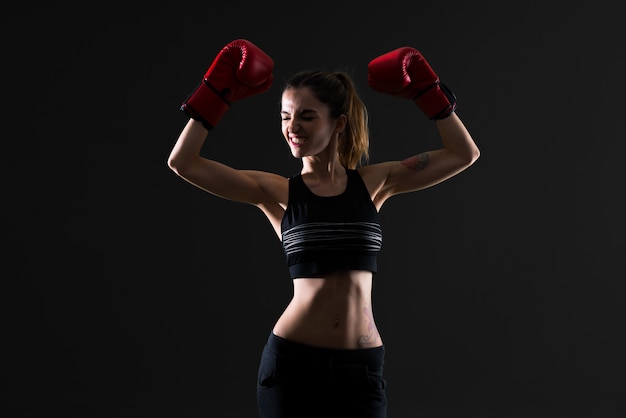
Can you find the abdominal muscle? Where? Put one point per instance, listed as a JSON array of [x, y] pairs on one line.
[[331, 312]]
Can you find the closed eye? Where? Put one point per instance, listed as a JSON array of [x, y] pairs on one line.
[[306, 118], [306, 114]]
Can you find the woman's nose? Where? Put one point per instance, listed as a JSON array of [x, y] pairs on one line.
[[293, 126]]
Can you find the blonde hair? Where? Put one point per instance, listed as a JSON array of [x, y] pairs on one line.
[[337, 91]]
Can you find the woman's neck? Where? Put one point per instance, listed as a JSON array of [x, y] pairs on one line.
[[324, 171]]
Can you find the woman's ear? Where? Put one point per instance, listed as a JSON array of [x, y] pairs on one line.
[[340, 123]]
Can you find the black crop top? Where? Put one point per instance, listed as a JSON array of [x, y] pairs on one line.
[[326, 233]]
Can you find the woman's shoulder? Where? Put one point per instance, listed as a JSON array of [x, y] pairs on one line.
[[375, 177], [273, 185], [376, 170]]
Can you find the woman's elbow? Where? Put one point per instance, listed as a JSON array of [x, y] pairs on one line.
[[474, 154], [175, 164], [468, 157]]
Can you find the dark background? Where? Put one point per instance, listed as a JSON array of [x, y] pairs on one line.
[[129, 293]]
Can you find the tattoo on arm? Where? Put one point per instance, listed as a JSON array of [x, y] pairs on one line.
[[417, 162]]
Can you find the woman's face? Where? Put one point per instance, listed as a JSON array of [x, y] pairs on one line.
[[306, 124]]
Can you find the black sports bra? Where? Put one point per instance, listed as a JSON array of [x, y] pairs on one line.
[[321, 234]]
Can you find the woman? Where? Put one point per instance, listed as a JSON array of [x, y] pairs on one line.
[[324, 357]]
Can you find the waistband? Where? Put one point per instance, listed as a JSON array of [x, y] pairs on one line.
[[372, 357]]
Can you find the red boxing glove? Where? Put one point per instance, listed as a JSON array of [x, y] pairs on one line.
[[240, 70], [405, 73]]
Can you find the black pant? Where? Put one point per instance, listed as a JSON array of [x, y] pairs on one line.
[[299, 381]]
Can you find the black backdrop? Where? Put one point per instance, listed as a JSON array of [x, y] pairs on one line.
[[129, 293]]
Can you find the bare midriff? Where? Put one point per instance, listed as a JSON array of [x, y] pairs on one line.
[[331, 312]]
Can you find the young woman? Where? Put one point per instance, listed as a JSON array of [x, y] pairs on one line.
[[325, 355]]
